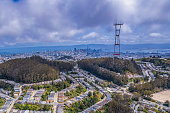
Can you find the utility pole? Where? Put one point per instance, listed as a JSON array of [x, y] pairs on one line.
[[87, 51]]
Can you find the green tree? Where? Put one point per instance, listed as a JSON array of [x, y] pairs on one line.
[[167, 103]]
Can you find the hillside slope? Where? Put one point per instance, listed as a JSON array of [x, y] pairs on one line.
[[34, 69], [106, 68]]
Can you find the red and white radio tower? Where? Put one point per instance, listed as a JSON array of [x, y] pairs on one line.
[[117, 39]]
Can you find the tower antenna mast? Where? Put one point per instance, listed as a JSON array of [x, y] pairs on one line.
[[117, 39]]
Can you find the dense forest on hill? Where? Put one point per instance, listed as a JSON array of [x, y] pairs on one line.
[[105, 68], [33, 69], [57, 65]]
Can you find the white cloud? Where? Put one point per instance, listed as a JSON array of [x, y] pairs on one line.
[[155, 34], [90, 35], [53, 36], [11, 44], [126, 29], [12, 28], [74, 32]]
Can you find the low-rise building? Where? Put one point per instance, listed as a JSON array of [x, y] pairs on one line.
[[17, 89], [61, 96], [51, 97], [38, 95], [60, 108]]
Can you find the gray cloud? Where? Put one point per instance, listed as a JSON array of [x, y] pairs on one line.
[[34, 21]]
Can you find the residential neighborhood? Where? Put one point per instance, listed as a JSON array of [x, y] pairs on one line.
[[57, 101]]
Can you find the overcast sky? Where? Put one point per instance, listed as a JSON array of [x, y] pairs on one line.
[[70, 22]]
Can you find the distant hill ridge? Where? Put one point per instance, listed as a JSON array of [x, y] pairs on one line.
[[105, 47]]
